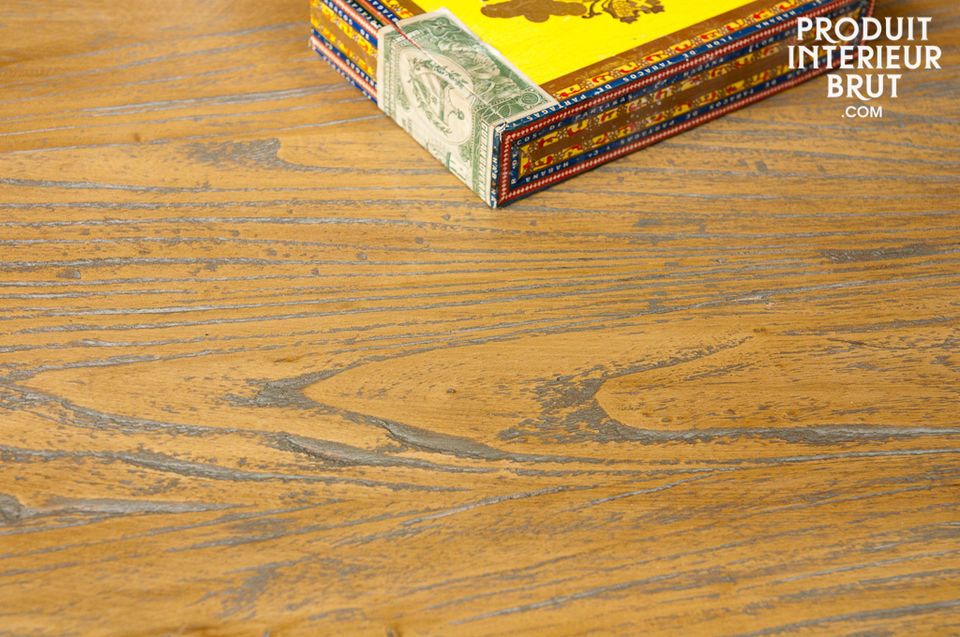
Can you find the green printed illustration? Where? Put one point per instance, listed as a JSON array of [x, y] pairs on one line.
[[450, 91]]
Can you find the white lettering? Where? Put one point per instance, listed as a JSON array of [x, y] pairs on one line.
[[834, 86]]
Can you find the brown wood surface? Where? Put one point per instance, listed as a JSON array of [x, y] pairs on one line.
[[268, 369]]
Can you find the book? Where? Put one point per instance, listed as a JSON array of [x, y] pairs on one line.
[[516, 95]]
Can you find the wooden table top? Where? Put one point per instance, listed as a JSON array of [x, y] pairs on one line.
[[266, 368]]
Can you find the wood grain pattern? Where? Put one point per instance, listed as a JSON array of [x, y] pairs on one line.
[[267, 369]]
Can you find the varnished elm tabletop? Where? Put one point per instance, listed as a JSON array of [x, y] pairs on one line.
[[267, 369]]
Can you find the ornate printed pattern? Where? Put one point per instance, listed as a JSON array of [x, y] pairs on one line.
[[575, 139], [345, 38]]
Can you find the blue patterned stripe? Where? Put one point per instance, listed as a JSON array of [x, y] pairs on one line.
[[346, 62], [343, 15], [386, 14]]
